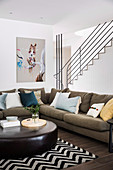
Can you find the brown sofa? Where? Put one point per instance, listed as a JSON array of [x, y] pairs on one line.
[[81, 123]]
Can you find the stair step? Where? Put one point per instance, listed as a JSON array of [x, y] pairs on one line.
[[81, 73], [76, 78], [109, 44], [102, 51], [85, 68], [90, 63], [96, 57]]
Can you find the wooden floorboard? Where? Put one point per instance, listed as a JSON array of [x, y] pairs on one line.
[[104, 160]]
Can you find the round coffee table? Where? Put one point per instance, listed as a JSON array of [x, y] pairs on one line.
[[22, 141]]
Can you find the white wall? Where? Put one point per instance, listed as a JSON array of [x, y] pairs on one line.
[[99, 77], [9, 30], [75, 40]]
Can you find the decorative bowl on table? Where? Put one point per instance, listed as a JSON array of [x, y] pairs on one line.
[[12, 118]]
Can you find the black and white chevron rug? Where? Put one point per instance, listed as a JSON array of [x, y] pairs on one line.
[[63, 155]]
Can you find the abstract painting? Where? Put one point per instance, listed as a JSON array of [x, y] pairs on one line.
[[30, 58]]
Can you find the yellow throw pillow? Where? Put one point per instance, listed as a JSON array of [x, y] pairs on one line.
[[107, 111], [37, 95]]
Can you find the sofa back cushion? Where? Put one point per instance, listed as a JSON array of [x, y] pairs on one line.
[[98, 98], [43, 95], [47, 97], [53, 93], [85, 99], [8, 91]]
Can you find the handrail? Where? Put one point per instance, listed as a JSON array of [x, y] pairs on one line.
[[91, 58], [90, 50]]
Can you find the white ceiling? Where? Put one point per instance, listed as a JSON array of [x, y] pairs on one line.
[[51, 11]]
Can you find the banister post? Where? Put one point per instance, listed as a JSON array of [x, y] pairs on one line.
[[80, 60], [67, 77]]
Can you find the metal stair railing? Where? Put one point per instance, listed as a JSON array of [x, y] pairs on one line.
[[92, 46], [86, 54], [87, 63], [76, 52], [70, 79], [72, 58]]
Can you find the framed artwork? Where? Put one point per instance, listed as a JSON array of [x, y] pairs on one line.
[[30, 59]]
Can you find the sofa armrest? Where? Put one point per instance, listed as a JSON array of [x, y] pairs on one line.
[[1, 114]]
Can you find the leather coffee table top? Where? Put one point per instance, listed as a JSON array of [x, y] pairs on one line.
[[22, 132]]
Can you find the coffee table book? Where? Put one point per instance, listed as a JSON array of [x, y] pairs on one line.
[[5, 123]]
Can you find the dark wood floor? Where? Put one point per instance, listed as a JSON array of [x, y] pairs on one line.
[[105, 160]]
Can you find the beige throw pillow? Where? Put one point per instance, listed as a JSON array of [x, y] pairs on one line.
[[107, 111]]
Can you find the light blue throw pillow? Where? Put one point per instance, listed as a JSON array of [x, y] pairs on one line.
[[68, 104], [2, 101]]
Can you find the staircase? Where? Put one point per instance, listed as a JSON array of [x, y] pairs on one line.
[[95, 44]]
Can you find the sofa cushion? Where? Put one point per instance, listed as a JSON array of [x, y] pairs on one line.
[[17, 111], [52, 112], [53, 93], [47, 97], [1, 115], [85, 99], [85, 121], [107, 111], [98, 98], [43, 95]]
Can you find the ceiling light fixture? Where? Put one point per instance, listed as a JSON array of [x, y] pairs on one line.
[[41, 18], [10, 13]]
